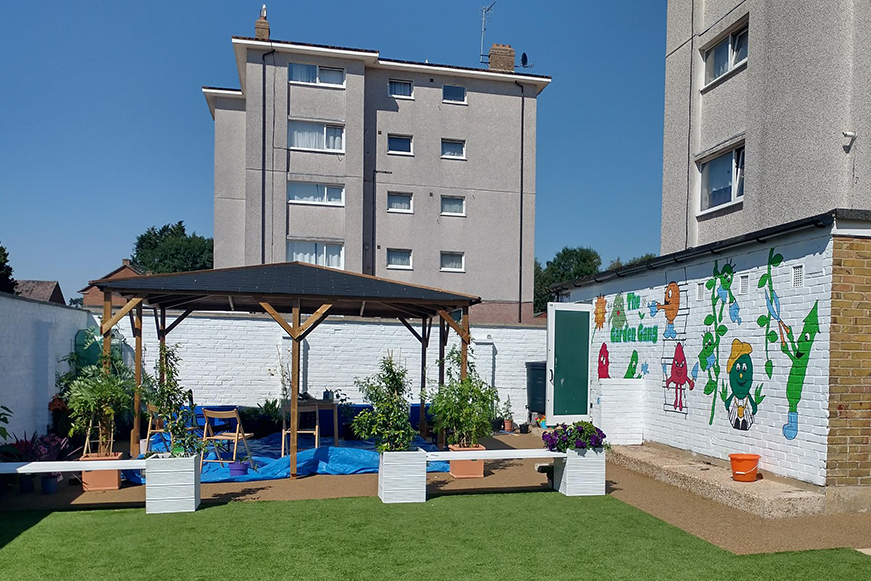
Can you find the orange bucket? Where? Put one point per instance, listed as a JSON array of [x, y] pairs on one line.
[[744, 467]]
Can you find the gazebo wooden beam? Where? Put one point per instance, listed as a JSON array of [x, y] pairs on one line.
[[178, 320], [461, 329], [107, 324], [137, 394], [297, 332]]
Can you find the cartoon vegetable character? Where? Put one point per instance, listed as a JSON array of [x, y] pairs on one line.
[[798, 353], [740, 369], [618, 313], [670, 307], [631, 371], [724, 292], [604, 362], [599, 313], [679, 376]]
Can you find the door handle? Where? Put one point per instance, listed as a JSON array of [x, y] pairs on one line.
[[551, 375]]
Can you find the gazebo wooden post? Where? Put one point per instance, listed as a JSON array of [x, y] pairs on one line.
[[425, 330], [107, 332], [137, 401], [294, 389], [443, 341], [464, 345], [161, 337]]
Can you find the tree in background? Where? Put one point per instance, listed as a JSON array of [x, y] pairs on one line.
[[77, 302], [170, 249], [568, 264], [7, 283], [617, 263]]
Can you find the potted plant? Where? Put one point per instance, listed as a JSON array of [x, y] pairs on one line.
[[582, 471], [95, 396], [24, 450], [51, 448], [463, 409], [173, 477], [508, 415], [401, 473]]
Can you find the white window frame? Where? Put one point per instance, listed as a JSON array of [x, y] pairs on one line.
[[441, 208], [406, 97], [391, 152], [318, 82], [462, 141], [465, 100], [325, 126], [323, 202], [738, 159], [397, 210], [733, 64], [321, 249], [462, 256], [399, 266]]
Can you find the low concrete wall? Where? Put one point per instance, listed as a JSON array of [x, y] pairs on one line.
[[34, 336]]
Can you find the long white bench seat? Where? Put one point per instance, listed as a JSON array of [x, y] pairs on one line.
[[69, 466]]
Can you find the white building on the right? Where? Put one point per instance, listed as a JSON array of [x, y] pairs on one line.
[[752, 330]]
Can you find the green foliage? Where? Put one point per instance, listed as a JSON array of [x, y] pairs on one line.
[[77, 302], [5, 412], [96, 395], [387, 422], [567, 264], [764, 321], [507, 414], [174, 404], [617, 263], [171, 249], [7, 283], [463, 407]]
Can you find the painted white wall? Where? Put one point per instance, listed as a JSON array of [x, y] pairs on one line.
[[34, 336], [230, 358], [804, 457]]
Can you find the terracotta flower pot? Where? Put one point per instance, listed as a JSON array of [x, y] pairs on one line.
[[101, 479], [467, 468], [509, 425]]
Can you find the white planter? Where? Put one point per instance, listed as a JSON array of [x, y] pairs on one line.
[[581, 473], [402, 477], [172, 484]]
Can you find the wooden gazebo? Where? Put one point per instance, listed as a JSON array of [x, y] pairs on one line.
[[290, 287]]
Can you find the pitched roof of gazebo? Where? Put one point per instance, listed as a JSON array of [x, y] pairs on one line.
[[281, 285]]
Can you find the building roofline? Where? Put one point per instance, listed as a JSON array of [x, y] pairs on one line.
[[827, 219], [212, 93]]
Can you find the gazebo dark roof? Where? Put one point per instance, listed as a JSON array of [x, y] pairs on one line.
[[282, 284]]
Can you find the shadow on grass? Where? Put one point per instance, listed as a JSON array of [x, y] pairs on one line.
[[222, 498], [13, 524]]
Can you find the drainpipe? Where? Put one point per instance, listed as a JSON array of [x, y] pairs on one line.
[[520, 255], [263, 161]]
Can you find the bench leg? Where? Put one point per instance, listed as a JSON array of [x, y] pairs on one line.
[[402, 477]]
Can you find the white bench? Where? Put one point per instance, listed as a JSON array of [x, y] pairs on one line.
[[402, 475]]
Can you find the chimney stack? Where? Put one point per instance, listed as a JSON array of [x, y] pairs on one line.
[[261, 27], [502, 58]]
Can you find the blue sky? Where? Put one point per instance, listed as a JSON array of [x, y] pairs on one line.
[[104, 131]]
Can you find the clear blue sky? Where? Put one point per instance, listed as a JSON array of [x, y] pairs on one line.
[[104, 131]]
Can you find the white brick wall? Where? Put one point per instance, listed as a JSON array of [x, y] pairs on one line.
[[804, 457], [227, 358], [620, 404], [34, 336]]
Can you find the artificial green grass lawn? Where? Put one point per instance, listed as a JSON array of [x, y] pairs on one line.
[[491, 536]]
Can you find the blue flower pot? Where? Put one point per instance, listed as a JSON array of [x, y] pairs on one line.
[[238, 468]]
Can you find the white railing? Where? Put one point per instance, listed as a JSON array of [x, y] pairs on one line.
[[509, 454], [69, 466]]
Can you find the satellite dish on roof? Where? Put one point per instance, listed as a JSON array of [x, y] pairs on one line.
[[524, 60]]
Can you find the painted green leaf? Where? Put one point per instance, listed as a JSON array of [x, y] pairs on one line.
[[640, 315], [721, 330], [723, 394], [776, 260], [763, 280], [710, 387], [769, 368], [759, 396], [710, 284], [772, 336], [709, 320], [762, 321]]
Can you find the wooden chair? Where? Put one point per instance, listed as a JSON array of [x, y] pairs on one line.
[[155, 426], [210, 436], [301, 408]]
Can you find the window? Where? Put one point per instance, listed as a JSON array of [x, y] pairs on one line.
[[400, 144], [399, 259], [453, 262], [319, 253], [453, 149], [798, 275], [401, 89], [399, 203], [315, 75], [454, 94], [726, 55], [453, 206], [315, 136], [723, 179], [307, 193]]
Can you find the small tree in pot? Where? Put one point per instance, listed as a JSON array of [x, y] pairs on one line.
[[463, 408]]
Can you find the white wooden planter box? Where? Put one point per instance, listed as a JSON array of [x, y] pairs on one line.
[[402, 477], [580, 473], [172, 484]]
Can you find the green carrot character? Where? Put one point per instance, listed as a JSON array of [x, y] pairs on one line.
[[798, 353]]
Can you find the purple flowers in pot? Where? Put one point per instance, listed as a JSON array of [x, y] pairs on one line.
[[579, 435]]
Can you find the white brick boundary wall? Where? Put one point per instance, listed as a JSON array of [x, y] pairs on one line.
[[231, 358], [34, 337], [803, 457]]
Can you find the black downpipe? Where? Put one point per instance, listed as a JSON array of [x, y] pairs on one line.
[[520, 257], [263, 162]]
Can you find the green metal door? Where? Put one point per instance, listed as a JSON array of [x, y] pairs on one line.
[[568, 362]]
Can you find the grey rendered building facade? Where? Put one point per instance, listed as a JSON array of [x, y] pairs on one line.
[[784, 81], [441, 215]]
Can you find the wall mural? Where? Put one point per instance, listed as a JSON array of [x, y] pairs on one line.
[[670, 307], [618, 314], [632, 372], [621, 331], [798, 354], [740, 370], [604, 362], [679, 377], [599, 313], [674, 363]]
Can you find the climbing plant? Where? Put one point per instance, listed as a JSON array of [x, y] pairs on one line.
[[773, 303], [720, 285]]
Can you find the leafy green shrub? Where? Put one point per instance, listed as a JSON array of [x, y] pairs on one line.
[[175, 405], [387, 422], [95, 397], [5, 412], [464, 408]]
